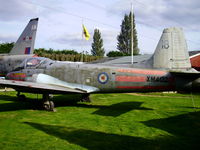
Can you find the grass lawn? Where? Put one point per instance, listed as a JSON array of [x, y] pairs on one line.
[[110, 122]]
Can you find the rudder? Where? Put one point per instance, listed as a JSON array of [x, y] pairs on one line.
[[26, 41], [172, 52]]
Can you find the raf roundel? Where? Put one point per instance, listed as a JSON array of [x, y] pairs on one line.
[[103, 78]]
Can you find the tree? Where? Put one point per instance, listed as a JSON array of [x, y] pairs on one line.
[[6, 47], [97, 45], [124, 38]]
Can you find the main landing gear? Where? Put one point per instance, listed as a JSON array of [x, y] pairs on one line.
[[47, 104]]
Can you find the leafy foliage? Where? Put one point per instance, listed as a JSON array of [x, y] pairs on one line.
[[115, 54], [6, 47], [97, 45], [124, 38], [52, 51]]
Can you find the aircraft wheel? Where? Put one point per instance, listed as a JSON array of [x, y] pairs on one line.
[[51, 103], [46, 105], [49, 106]]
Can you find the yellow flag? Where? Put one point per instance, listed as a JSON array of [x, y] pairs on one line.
[[86, 33]]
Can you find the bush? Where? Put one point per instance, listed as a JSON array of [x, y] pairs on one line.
[[6, 47], [115, 54], [64, 55]]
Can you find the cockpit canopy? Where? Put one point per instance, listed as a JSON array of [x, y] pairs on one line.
[[35, 62]]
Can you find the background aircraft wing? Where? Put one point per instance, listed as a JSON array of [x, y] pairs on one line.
[[38, 87]]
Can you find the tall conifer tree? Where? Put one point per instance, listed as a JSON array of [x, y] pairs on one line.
[[124, 38], [97, 45]]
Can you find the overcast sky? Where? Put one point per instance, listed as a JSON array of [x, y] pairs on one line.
[[60, 21]]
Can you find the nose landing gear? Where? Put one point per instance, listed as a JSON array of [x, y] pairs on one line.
[[47, 104]]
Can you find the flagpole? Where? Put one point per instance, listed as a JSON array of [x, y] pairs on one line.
[[131, 33], [82, 49], [82, 41]]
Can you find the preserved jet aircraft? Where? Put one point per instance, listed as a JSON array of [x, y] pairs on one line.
[[23, 48], [169, 69]]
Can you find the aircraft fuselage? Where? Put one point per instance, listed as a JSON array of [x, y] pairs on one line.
[[113, 79], [105, 78]]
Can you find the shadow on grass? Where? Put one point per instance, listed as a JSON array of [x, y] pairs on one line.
[[12, 105], [15, 104], [185, 130], [192, 108], [67, 100], [8, 98], [112, 110], [70, 100], [33, 103], [185, 127], [93, 140], [120, 108]]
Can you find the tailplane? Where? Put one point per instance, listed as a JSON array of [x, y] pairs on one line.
[[26, 41], [172, 52]]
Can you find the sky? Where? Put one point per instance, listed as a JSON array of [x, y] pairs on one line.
[[60, 21]]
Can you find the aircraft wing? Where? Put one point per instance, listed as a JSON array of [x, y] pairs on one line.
[[42, 83], [37, 87]]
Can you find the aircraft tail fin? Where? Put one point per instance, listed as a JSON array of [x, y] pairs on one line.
[[172, 52], [26, 41]]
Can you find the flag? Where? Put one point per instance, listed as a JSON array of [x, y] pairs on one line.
[[86, 33]]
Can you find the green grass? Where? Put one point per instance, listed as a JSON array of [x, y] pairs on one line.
[[111, 121]]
